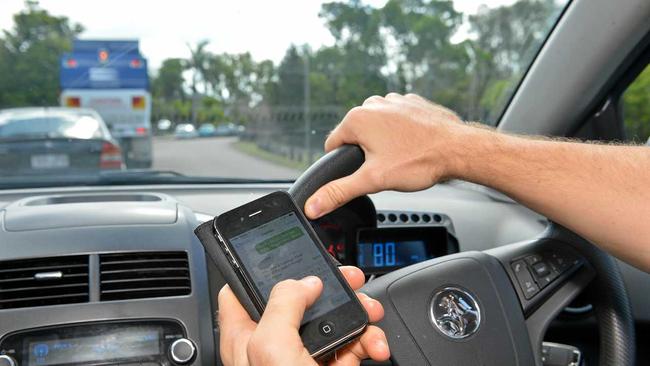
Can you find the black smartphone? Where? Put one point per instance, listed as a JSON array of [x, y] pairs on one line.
[[269, 240]]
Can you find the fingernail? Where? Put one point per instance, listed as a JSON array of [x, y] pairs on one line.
[[381, 344], [311, 281], [372, 302], [313, 209]]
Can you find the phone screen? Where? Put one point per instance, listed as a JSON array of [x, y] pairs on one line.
[[281, 249]]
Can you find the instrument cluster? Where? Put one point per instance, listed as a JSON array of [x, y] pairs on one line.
[[379, 242]]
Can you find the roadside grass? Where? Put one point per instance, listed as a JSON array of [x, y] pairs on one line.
[[252, 149]]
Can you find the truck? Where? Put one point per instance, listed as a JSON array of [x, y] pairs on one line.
[[110, 77]]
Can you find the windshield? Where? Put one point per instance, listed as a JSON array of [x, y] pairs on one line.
[[241, 90]]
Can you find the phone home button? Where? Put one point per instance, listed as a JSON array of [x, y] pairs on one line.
[[326, 328]]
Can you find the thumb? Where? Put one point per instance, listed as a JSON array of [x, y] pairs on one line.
[[288, 302], [337, 193]]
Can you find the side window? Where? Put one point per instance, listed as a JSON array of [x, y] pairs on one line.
[[636, 108]]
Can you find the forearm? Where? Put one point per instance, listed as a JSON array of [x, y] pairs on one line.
[[602, 192]]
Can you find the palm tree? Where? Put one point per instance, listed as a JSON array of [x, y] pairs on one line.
[[198, 63]]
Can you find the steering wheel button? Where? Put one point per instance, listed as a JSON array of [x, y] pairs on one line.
[[518, 267], [525, 280], [541, 269], [559, 261], [532, 259], [545, 280], [530, 289]]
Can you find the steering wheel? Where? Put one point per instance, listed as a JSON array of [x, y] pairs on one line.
[[491, 307]]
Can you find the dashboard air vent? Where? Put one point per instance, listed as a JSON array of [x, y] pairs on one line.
[[126, 276], [43, 281]]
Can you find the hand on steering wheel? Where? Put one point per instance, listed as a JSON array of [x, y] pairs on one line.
[[406, 149]]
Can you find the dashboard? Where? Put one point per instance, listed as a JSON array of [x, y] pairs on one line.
[[115, 275], [119, 278]]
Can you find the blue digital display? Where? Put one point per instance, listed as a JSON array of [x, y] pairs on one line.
[[381, 250], [391, 253]]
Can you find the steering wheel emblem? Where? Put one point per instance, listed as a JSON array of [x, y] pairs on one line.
[[455, 313]]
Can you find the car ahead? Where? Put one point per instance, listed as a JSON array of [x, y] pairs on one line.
[[185, 131], [227, 129], [56, 140], [207, 130]]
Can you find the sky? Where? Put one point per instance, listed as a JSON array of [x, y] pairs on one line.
[[265, 28]]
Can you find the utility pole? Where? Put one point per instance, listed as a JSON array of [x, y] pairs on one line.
[[307, 92]]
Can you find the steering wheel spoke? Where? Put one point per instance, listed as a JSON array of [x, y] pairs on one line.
[[457, 309], [546, 274]]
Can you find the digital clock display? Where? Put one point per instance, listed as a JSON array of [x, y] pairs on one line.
[[386, 249]]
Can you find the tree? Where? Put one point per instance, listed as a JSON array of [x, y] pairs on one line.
[[238, 81], [355, 65], [430, 64], [197, 64], [288, 90], [29, 57], [636, 108], [210, 111], [502, 48], [168, 83]]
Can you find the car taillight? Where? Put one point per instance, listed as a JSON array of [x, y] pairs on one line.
[[137, 102], [111, 157], [141, 130], [74, 102]]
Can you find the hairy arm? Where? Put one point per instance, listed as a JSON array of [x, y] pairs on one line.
[[601, 192]]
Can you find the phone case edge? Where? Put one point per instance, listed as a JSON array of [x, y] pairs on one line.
[[207, 237]]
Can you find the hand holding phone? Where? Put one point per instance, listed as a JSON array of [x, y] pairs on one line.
[[269, 240], [276, 341]]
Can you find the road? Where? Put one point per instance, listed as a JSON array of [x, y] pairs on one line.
[[213, 157]]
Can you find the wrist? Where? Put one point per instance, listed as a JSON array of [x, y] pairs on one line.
[[475, 151]]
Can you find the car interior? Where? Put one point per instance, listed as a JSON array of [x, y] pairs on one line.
[[118, 259]]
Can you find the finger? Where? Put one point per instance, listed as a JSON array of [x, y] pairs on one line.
[[373, 307], [354, 276], [373, 99], [234, 323], [394, 96], [418, 99], [288, 301], [336, 138], [372, 344], [343, 133], [231, 313], [337, 193]]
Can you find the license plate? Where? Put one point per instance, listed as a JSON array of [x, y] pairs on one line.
[[50, 161]]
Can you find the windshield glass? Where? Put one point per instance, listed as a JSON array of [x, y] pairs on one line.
[[245, 89]]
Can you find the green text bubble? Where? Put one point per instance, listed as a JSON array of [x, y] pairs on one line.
[[279, 240]]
